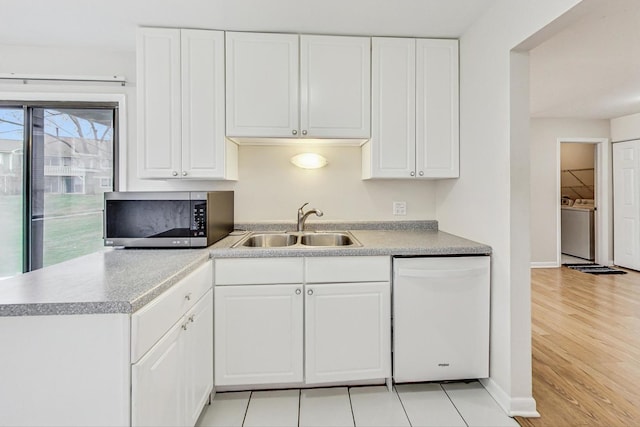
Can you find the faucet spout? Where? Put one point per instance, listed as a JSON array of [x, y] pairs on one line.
[[302, 215]]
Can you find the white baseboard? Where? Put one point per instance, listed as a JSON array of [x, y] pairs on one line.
[[551, 264], [513, 406]]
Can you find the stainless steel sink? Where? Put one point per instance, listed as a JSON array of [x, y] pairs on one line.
[[267, 240], [326, 239], [297, 239]]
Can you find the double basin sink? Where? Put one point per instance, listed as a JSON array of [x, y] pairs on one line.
[[298, 239]]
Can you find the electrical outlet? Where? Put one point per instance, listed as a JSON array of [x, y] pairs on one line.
[[399, 208]]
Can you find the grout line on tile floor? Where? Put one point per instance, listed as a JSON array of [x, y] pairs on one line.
[[353, 416], [454, 405], [299, 405], [246, 410], [395, 390]]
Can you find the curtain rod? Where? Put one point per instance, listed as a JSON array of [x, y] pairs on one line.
[[43, 77]]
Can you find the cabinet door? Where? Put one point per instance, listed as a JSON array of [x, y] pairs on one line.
[[335, 100], [437, 109], [157, 389], [347, 332], [198, 357], [626, 199], [258, 334], [159, 107], [393, 108], [262, 84], [203, 144]]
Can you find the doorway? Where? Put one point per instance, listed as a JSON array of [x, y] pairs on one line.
[[584, 200]]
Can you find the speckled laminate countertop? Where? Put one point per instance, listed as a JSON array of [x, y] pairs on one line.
[[124, 280], [112, 281], [374, 242], [393, 238]]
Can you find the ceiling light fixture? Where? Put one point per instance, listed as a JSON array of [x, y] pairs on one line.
[[309, 161]]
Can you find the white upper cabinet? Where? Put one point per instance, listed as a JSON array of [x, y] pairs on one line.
[[181, 105], [414, 109], [290, 86], [335, 89], [393, 108], [437, 105], [159, 109], [262, 84]]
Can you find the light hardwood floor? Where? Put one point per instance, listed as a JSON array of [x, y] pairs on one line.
[[586, 348]]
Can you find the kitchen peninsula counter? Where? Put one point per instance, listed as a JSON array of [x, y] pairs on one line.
[[110, 281]]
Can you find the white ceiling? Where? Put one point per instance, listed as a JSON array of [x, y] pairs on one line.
[[591, 69], [111, 24]]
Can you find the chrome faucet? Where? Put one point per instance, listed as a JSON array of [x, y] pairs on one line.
[[302, 215]]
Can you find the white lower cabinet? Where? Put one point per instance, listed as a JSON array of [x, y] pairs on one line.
[[172, 382], [310, 331], [198, 357], [347, 332], [258, 333], [172, 375], [156, 390]]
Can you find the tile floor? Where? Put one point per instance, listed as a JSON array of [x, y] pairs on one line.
[[426, 404]]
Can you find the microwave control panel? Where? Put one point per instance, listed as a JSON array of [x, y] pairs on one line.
[[198, 218]]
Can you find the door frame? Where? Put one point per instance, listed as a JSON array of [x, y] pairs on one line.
[[603, 197]]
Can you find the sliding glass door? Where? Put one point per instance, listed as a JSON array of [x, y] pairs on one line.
[[67, 161], [12, 135]]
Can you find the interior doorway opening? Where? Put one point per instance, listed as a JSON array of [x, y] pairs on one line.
[[584, 200]]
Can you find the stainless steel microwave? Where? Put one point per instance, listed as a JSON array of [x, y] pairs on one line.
[[178, 219]]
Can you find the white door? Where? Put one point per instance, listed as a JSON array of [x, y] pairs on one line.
[[393, 109], [262, 84], [347, 332], [157, 389], [198, 352], [626, 206], [437, 133], [335, 100], [159, 105], [266, 350], [203, 108]]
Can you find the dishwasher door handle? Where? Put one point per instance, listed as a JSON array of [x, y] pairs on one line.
[[440, 274]]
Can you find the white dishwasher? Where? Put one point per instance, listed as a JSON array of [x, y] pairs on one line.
[[440, 318]]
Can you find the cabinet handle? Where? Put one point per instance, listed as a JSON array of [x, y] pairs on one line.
[[295, 132], [421, 173], [184, 173], [412, 173], [304, 132], [191, 318], [174, 173], [310, 292], [188, 296], [298, 291], [184, 326]]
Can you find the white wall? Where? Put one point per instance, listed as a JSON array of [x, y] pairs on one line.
[[625, 128], [494, 180], [269, 189], [544, 179]]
